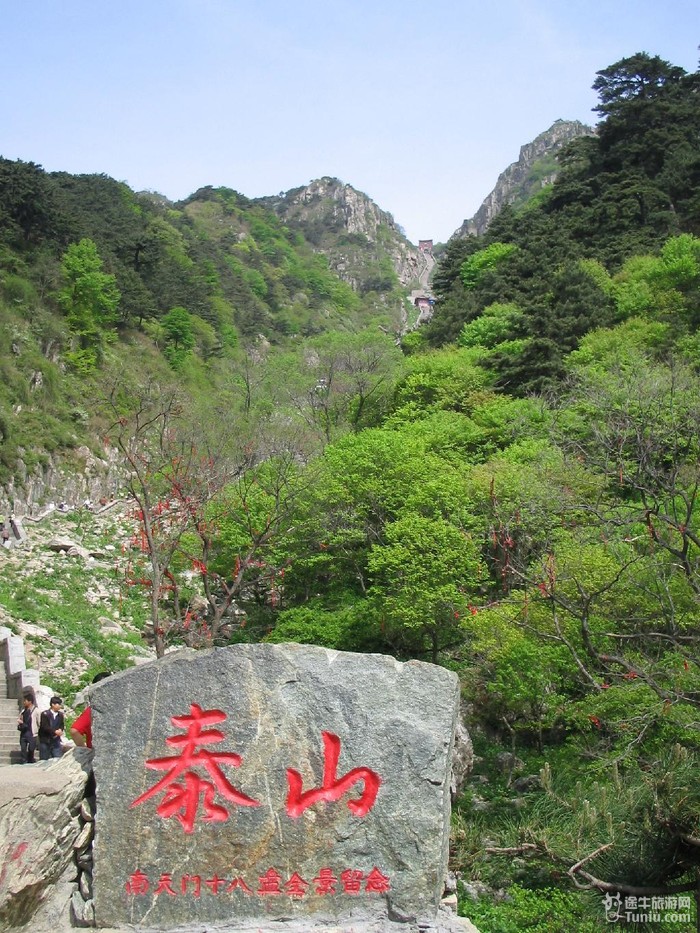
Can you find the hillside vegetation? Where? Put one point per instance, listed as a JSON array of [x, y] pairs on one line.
[[515, 496], [97, 279]]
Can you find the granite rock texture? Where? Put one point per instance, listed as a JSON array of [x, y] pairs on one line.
[[329, 852], [39, 807], [517, 182]]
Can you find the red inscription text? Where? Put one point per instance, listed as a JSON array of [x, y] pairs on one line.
[[332, 787], [182, 786], [325, 883]]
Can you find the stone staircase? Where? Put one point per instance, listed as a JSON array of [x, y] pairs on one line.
[[9, 711], [16, 680]]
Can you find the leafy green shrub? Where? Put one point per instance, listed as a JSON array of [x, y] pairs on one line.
[[495, 324], [82, 362], [350, 628], [547, 910], [413, 342], [474, 267], [312, 627], [18, 290]]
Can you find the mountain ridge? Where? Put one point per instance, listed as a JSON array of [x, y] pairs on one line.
[[533, 171]]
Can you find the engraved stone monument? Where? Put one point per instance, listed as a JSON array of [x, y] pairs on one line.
[[272, 782]]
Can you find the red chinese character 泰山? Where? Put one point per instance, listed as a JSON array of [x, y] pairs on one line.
[[182, 786], [332, 787]]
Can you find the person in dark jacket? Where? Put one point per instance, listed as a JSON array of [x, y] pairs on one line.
[[51, 728], [28, 726]]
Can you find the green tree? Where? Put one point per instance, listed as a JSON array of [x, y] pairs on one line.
[[89, 297], [640, 77], [179, 332], [364, 482], [337, 381], [475, 266], [496, 324], [423, 576], [29, 210]]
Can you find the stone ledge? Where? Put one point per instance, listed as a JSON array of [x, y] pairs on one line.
[[446, 922]]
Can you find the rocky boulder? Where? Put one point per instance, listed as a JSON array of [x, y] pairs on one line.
[[65, 545], [39, 807], [273, 783]]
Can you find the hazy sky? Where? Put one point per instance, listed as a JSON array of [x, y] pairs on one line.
[[420, 105]]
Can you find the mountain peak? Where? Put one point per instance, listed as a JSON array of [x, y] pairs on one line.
[[364, 244], [535, 169], [339, 205]]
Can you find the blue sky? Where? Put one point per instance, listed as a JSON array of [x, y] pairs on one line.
[[420, 105]]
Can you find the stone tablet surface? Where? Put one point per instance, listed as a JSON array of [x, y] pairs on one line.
[[272, 782]]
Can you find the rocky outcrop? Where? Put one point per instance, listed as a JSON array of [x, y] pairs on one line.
[[39, 823], [84, 476], [351, 230], [535, 169], [91, 544]]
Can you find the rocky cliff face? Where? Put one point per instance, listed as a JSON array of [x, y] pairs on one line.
[[83, 476], [535, 169], [364, 244]]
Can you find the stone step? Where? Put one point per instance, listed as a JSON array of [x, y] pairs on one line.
[[9, 724], [9, 718], [13, 758]]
